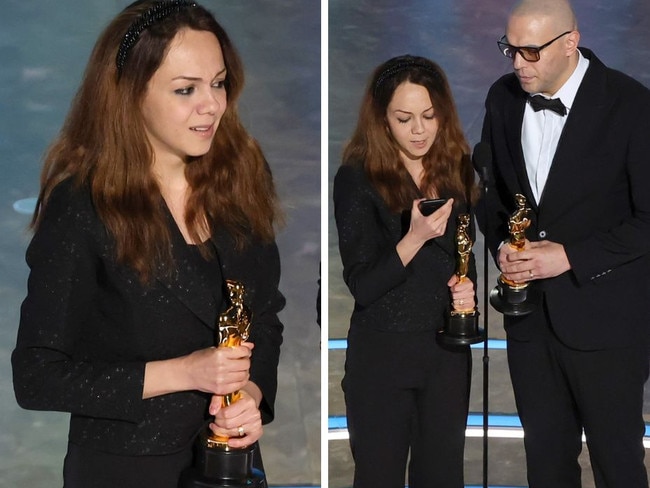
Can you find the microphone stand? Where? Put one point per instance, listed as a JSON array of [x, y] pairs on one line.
[[486, 356]]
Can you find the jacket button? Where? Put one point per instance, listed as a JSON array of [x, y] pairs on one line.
[[542, 234]]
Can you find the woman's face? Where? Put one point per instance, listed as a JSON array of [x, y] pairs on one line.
[[412, 120], [185, 97]]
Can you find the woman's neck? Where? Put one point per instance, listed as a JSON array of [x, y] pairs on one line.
[[175, 190], [415, 169]]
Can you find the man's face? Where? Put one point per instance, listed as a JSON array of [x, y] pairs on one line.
[[553, 68]]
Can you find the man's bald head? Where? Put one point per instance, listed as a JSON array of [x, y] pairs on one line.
[[559, 12]]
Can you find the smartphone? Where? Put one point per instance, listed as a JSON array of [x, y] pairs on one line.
[[427, 207]]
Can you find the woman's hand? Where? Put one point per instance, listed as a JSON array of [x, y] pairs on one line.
[[430, 226], [216, 370], [219, 370], [462, 293], [422, 228], [241, 421]]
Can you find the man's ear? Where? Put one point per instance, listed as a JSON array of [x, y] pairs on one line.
[[571, 43]]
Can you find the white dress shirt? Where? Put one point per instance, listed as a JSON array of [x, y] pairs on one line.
[[540, 132]]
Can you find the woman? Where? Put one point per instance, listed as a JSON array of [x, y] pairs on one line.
[[151, 197], [404, 392]]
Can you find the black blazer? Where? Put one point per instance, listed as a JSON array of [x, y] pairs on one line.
[[596, 203], [388, 295], [88, 326]]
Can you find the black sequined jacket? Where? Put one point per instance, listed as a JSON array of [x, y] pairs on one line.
[[388, 295], [88, 326]]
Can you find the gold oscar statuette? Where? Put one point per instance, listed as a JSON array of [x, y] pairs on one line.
[[510, 297], [518, 222], [461, 327], [233, 328], [217, 465]]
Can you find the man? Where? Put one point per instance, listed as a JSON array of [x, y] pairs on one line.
[[580, 359]]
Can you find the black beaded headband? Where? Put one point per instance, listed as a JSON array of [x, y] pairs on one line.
[[154, 14], [393, 69]]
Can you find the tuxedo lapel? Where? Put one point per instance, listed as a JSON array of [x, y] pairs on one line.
[[579, 136], [513, 123]]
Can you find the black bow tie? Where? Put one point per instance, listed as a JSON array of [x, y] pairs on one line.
[[538, 103]]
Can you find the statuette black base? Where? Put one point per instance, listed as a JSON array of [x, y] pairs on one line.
[[511, 301], [461, 329], [220, 468]]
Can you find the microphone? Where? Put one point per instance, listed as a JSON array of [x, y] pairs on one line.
[[482, 160]]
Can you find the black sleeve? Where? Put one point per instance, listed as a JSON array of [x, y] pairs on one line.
[[48, 374], [371, 265]]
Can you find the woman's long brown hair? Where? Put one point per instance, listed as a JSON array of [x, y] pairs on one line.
[[447, 166], [103, 145]]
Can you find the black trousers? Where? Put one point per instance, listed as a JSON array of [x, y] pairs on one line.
[[560, 391], [405, 393]]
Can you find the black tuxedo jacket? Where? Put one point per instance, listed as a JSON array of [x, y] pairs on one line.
[[88, 326], [596, 203]]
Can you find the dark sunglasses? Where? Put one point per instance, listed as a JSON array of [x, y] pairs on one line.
[[529, 53]]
